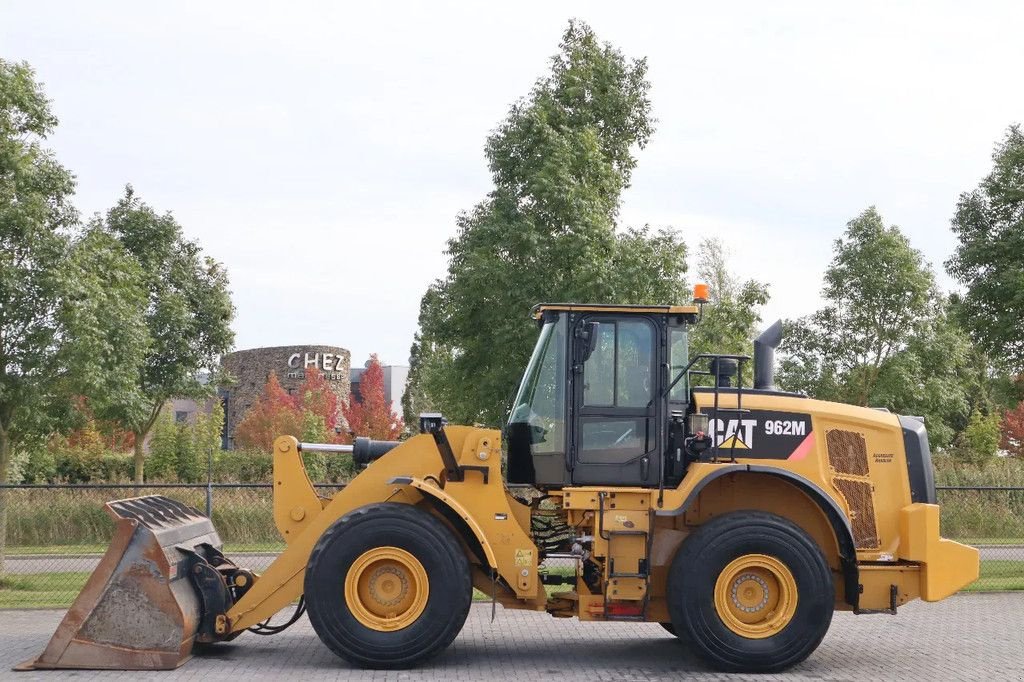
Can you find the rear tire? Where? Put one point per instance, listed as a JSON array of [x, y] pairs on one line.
[[388, 586], [750, 592], [669, 628]]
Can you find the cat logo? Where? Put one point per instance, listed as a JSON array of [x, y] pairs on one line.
[[733, 442], [733, 433], [759, 434]]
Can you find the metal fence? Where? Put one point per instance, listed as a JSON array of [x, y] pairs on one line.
[[57, 533]]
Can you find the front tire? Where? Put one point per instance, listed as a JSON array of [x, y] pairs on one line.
[[751, 592], [388, 586]]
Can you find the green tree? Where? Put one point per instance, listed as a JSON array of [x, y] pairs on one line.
[[188, 316], [935, 376], [989, 260], [879, 294], [181, 451], [546, 232], [978, 442], [732, 315], [68, 319]]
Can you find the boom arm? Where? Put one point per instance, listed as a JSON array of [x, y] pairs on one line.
[[406, 474]]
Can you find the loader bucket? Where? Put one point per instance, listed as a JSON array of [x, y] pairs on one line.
[[139, 609]]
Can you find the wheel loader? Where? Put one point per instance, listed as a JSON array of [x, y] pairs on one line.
[[739, 517]]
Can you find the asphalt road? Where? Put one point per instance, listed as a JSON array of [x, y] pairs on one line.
[[49, 563], [966, 637]]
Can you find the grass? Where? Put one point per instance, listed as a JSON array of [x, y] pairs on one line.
[[981, 516], [39, 518], [41, 590], [999, 575]]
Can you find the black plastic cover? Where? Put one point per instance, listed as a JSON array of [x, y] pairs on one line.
[[919, 460], [365, 450]]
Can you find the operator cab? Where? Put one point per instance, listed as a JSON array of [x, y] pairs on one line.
[[597, 403]]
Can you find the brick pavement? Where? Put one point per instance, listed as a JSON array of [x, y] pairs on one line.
[[966, 637]]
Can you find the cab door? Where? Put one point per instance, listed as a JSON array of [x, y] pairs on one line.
[[615, 435]]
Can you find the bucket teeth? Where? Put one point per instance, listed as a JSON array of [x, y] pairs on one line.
[[154, 511], [141, 608]]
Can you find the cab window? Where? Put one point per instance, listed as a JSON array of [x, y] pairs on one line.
[[539, 406], [619, 373]]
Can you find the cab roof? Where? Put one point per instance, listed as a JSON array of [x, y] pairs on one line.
[[540, 308]]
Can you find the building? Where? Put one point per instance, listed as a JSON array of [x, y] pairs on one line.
[[395, 378], [251, 368]]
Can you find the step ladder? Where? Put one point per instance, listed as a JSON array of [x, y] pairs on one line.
[[626, 593]]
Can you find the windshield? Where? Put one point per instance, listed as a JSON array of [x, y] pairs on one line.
[[540, 401]]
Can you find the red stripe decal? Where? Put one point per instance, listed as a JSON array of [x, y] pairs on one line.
[[801, 450]]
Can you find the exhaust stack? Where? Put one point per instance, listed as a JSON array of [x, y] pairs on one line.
[[764, 356]]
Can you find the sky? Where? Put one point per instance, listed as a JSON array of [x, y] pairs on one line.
[[322, 151]]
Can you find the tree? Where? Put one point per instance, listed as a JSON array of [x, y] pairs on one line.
[[310, 415], [274, 414], [939, 375], [188, 316], [989, 260], [317, 399], [67, 304], [1013, 431], [110, 435], [880, 293], [370, 414], [978, 442], [182, 451], [546, 232], [731, 317]]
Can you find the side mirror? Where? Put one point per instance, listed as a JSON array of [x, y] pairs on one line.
[[586, 340]]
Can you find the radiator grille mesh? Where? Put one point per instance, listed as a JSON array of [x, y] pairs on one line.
[[861, 501], [847, 452]]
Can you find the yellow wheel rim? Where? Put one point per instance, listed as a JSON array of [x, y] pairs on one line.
[[756, 596], [386, 589]]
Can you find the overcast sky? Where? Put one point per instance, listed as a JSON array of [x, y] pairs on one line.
[[322, 151]]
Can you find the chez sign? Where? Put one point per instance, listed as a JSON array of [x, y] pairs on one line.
[[331, 364]]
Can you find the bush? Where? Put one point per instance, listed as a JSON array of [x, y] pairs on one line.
[[256, 466], [243, 466], [40, 466], [978, 442], [181, 451]]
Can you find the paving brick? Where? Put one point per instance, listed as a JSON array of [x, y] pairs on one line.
[[966, 637]]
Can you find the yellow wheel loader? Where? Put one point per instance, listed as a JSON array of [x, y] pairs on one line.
[[737, 517]]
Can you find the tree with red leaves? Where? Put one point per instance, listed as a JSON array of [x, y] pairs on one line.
[[96, 433], [275, 414], [1013, 431], [316, 396], [372, 416]]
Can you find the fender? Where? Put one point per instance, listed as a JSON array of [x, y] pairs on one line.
[[483, 516], [836, 518], [453, 504]]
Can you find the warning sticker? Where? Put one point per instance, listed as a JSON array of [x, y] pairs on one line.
[[524, 557]]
